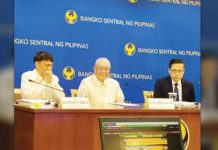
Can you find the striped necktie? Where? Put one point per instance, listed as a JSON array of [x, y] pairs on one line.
[[176, 90]]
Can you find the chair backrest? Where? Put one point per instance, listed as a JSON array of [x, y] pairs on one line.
[[148, 94], [17, 94], [73, 92]]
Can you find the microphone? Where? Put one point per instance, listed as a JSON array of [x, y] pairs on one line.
[[45, 85]]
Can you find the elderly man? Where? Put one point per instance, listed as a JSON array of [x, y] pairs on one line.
[[41, 83], [175, 83], [99, 87]]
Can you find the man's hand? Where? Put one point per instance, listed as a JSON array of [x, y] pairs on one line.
[[47, 76]]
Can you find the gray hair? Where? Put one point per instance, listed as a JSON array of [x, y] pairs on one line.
[[102, 59]]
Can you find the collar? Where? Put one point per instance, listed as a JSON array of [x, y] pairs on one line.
[[98, 82], [179, 83], [38, 75]]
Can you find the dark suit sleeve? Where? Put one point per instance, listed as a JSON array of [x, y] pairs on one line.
[[192, 93], [157, 89]]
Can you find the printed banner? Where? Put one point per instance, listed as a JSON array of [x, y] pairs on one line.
[[139, 37]]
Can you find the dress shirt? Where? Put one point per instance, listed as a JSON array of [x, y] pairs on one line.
[[107, 92], [31, 90]]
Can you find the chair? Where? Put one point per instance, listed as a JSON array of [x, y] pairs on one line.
[[148, 94], [73, 92], [17, 94]]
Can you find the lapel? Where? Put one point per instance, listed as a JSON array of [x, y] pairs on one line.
[[183, 89], [170, 87]]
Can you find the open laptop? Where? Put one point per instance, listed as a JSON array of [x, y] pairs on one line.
[[140, 133]]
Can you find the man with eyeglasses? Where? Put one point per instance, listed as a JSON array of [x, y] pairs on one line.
[[175, 83], [34, 84], [99, 87]]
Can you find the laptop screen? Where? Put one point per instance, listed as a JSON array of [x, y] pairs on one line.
[[141, 133]]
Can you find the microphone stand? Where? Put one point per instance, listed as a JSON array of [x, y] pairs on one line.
[[45, 85]]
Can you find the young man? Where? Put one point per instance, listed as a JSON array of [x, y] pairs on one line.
[[175, 83], [31, 81]]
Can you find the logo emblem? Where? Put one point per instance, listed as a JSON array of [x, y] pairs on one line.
[[185, 134], [133, 1], [129, 49], [68, 73], [71, 17]]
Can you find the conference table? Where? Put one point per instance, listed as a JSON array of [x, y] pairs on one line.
[[78, 129]]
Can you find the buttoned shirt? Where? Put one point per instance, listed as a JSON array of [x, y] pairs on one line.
[[31, 90], [107, 92]]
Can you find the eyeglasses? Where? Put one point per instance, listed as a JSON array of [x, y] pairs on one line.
[[103, 68], [176, 71]]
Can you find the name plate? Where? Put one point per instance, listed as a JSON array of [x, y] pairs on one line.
[[160, 103], [74, 102]]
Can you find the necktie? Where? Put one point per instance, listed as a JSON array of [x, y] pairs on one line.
[[176, 90]]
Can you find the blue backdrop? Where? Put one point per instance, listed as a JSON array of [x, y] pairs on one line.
[[77, 32]]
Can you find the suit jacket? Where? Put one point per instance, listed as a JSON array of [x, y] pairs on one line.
[[164, 85]]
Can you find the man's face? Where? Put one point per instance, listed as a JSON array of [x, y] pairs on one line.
[[176, 72], [42, 66], [102, 70]]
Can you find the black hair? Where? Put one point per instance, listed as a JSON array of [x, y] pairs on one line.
[[175, 61], [42, 55]]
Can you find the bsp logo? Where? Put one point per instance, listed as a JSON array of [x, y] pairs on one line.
[[185, 134], [133, 1], [71, 17], [129, 49], [68, 73]]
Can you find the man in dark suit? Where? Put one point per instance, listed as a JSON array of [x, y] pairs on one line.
[[175, 83]]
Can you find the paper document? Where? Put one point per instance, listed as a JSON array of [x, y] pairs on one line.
[[40, 101], [125, 104], [36, 103]]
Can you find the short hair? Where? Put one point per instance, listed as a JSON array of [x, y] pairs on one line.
[[42, 55], [102, 59], [175, 61]]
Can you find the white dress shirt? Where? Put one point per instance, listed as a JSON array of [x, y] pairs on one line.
[[31, 90], [179, 86], [98, 92]]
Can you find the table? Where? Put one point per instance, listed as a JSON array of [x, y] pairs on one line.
[[78, 129]]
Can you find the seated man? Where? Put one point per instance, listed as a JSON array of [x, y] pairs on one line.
[[31, 81], [175, 83], [99, 87]]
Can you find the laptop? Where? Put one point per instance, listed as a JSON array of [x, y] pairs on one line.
[[140, 133]]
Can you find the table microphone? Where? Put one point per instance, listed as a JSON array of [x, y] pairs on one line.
[[45, 85]]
